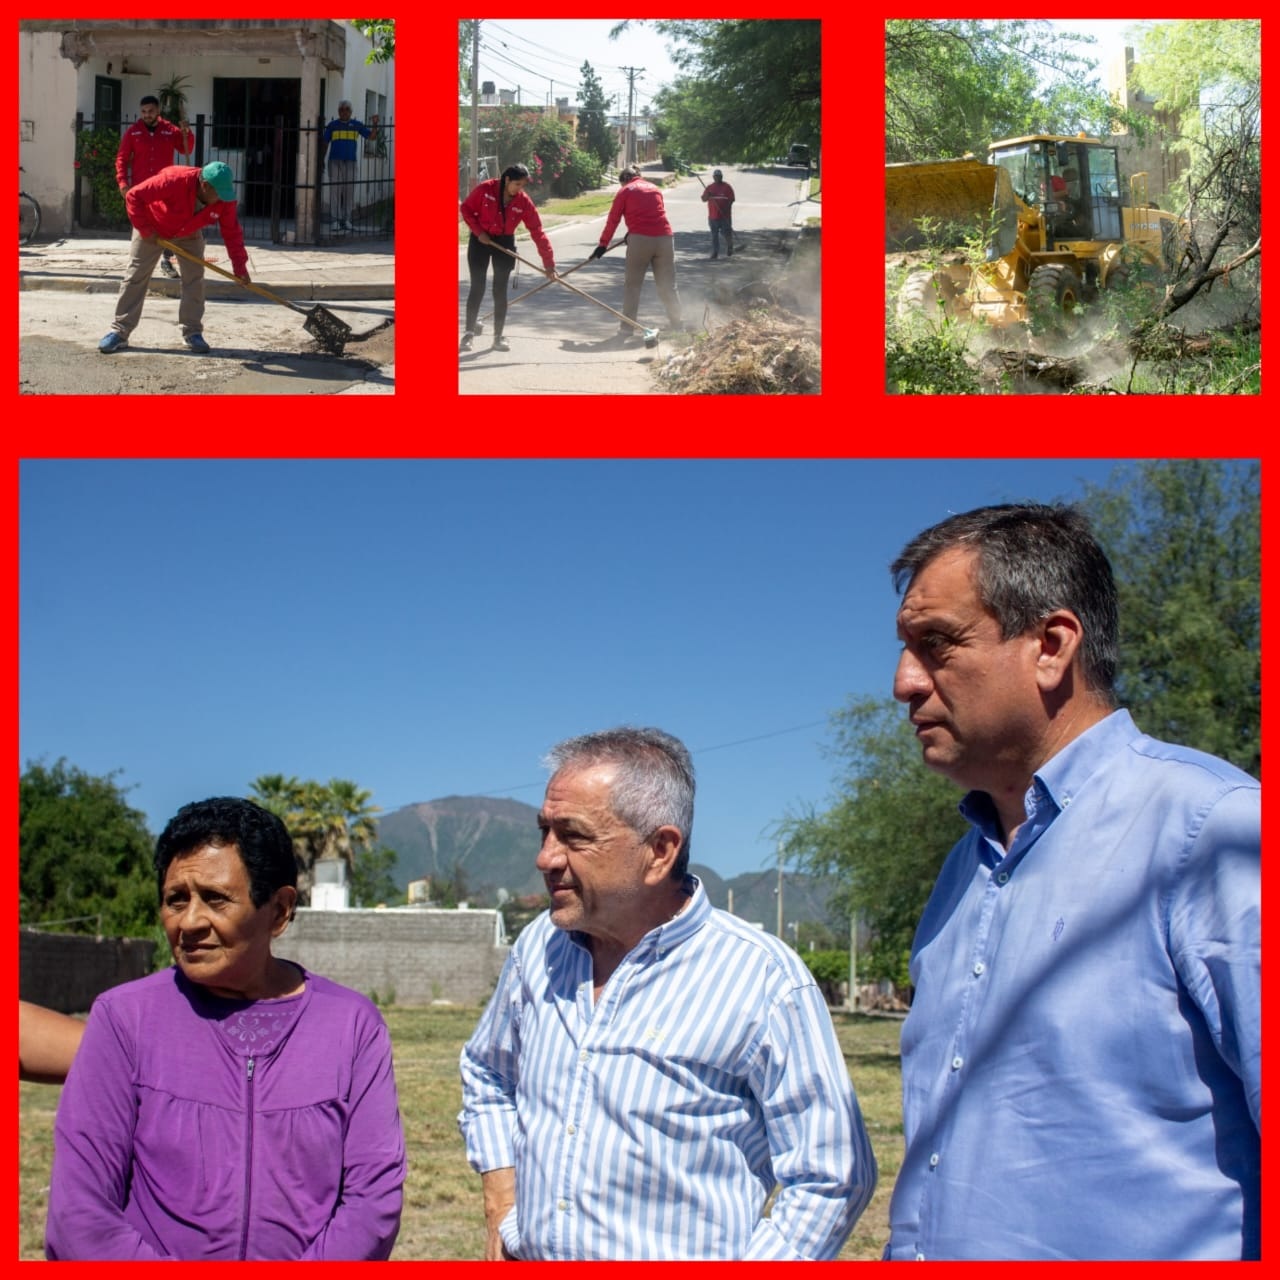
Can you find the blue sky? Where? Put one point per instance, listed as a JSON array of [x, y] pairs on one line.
[[431, 627]]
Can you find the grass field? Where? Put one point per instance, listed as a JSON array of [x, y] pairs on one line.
[[443, 1217]]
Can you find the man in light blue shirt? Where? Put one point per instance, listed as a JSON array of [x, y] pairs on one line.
[[1081, 1064], [649, 1068]]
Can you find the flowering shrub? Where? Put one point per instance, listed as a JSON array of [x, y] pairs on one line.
[[96, 159]]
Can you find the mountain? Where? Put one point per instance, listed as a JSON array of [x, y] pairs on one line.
[[495, 842]]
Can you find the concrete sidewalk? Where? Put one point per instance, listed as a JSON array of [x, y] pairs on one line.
[[300, 273]]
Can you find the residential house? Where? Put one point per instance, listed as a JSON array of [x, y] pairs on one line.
[[259, 93]]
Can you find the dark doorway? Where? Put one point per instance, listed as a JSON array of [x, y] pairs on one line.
[[259, 119]]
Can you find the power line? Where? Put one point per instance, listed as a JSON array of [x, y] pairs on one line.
[[699, 751]]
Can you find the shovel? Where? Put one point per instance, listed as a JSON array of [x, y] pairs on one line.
[[328, 331], [529, 292], [650, 335]]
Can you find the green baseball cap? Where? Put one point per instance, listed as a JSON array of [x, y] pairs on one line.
[[218, 176]]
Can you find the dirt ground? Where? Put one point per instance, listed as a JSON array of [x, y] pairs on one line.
[[765, 337], [256, 351]]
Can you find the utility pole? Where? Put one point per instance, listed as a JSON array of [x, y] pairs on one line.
[[851, 1003], [475, 105], [632, 72], [779, 889]]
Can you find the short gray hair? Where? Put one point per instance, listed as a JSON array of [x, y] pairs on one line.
[[346, 102], [1033, 558], [655, 783]]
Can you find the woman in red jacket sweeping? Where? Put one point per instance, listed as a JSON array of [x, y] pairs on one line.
[[493, 211]]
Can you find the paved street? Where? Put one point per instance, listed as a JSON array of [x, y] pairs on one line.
[[67, 301], [562, 344]]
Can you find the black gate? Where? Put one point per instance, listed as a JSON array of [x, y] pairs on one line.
[[282, 183]]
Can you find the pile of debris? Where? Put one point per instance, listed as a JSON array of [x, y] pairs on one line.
[[768, 353]]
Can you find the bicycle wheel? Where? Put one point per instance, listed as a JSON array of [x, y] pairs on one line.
[[28, 218]]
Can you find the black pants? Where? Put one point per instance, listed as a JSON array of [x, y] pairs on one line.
[[478, 258]]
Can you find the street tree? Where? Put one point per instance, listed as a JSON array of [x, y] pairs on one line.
[[595, 136], [954, 85], [372, 883], [749, 87], [1183, 537], [1207, 75], [85, 856], [382, 33]]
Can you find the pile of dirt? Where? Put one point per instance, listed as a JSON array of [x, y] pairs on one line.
[[377, 346], [766, 352]]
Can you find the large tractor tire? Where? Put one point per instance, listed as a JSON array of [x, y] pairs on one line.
[[927, 295], [1053, 295]]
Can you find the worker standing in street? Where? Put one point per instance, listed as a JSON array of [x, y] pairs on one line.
[[719, 200], [650, 239], [146, 147], [177, 203], [493, 211]]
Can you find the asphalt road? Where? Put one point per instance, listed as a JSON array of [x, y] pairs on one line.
[[561, 344], [258, 349]]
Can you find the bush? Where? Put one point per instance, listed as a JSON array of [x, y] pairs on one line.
[[829, 969], [582, 172], [96, 159]]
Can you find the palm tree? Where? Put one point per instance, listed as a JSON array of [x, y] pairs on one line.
[[327, 821]]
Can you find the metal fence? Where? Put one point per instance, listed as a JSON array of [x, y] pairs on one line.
[[285, 189]]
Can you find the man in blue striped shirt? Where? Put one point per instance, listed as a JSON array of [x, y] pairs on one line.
[[650, 1068], [1081, 1067]]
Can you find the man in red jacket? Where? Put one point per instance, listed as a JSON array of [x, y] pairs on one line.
[[176, 203], [649, 240], [146, 147]]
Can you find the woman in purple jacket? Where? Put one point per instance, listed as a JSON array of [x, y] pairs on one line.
[[234, 1106]]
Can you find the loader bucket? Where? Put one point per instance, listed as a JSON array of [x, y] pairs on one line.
[[954, 193]]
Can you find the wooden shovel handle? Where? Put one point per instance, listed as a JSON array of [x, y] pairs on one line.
[[253, 288]]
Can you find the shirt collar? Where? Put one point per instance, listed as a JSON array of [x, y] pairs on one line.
[[1058, 781]]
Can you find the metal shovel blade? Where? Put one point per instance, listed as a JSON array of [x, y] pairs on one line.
[[328, 331]]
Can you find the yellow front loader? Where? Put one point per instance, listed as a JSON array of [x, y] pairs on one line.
[[1044, 216]]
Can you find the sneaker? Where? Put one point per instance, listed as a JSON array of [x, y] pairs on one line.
[[166, 265], [467, 339], [113, 342], [501, 344], [197, 344]]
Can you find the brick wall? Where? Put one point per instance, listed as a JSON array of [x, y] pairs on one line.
[[411, 956], [65, 971]]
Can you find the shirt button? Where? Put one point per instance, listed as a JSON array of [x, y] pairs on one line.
[[583, 1056], [933, 1160], [957, 1062], [571, 1130], [979, 969], [1002, 878], [562, 1204], [919, 1257]]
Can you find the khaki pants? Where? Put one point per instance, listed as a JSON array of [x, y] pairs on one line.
[[661, 251], [143, 256]]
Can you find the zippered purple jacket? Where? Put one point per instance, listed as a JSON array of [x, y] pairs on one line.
[[197, 1128]]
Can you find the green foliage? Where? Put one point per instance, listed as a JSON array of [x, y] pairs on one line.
[[371, 879], [331, 820], [829, 969], [84, 852], [956, 85], [928, 362], [751, 88], [173, 99], [521, 135], [382, 31], [96, 159], [595, 136], [887, 832], [1183, 536], [1187, 65]]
